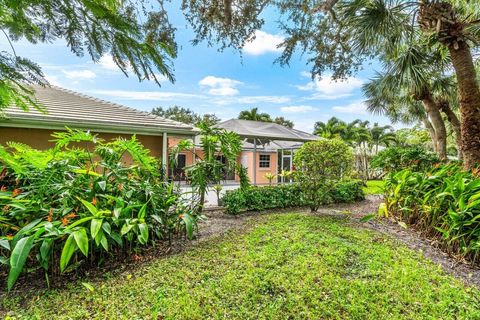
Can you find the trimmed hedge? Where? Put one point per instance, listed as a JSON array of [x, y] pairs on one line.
[[285, 196]]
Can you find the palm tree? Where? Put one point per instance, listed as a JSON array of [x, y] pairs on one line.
[[333, 128], [254, 115], [444, 26], [382, 136]]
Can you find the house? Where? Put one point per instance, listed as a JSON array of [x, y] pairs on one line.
[[267, 148], [66, 108]]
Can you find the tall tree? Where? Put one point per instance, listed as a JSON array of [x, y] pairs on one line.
[[339, 35], [139, 39]]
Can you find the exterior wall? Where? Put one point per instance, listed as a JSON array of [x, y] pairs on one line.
[[40, 139], [246, 159]]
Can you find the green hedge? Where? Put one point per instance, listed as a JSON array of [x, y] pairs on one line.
[[285, 196]]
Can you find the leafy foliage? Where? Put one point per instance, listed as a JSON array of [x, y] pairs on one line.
[[208, 168], [443, 202], [185, 115], [81, 201], [319, 166], [398, 158], [254, 115], [286, 196]]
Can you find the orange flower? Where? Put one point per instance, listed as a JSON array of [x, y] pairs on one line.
[[50, 215], [94, 201], [16, 192], [6, 208], [120, 187], [65, 221], [71, 215], [476, 172], [181, 216]]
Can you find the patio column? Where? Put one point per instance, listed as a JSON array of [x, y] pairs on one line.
[[254, 161], [194, 151], [165, 155], [291, 163], [282, 178]]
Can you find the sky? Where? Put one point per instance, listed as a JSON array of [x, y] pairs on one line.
[[208, 81]]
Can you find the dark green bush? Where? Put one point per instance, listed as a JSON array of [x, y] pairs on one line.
[[286, 196], [398, 158]]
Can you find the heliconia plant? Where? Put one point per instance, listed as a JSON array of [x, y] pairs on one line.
[[70, 205], [444, 203]]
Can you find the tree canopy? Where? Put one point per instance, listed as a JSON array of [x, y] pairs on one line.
[[254, 115], [185, 115], [139, 39]]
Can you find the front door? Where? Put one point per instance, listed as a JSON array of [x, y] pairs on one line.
[[178, 171]]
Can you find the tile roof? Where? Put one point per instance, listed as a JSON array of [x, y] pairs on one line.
[[70, 108]]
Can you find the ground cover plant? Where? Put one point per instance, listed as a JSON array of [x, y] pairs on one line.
[[282, 266], [81, 202], [257, 198], [444, 203]]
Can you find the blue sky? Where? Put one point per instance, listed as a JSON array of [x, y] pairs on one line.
[[209, 81]]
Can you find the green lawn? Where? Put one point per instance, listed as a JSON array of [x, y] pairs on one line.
[[373, 187], [286, 266]]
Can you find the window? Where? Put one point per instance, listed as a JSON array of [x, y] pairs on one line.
[[264, 161]]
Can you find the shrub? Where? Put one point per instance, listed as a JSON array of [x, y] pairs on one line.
[[319, 166], [81, 204], [399, 158], [285, 196], [444, 203]]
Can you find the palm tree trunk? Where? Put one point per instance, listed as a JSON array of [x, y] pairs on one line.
[[455, 124], [469, 103], [431, 131], [437, 121]]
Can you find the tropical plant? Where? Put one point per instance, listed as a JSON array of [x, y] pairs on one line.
[[444, 203], [270, 176], [73, 205], [319, 166], [208, 168], [254, 115]]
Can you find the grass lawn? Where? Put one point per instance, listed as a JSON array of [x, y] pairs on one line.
[[283, 267], [373, 187]]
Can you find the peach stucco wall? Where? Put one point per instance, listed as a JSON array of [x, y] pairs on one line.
[[246, 158], [40, 139]]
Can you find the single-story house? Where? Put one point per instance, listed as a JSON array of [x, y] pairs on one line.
[[267, 148], [66, 108]]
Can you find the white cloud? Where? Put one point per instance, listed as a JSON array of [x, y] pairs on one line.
[[262, 42], [297, 109], [357, 107], [146, 95], [106, 62], [53, 80], [327, 89], [79, 74], [220, 86], [251, 100]]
